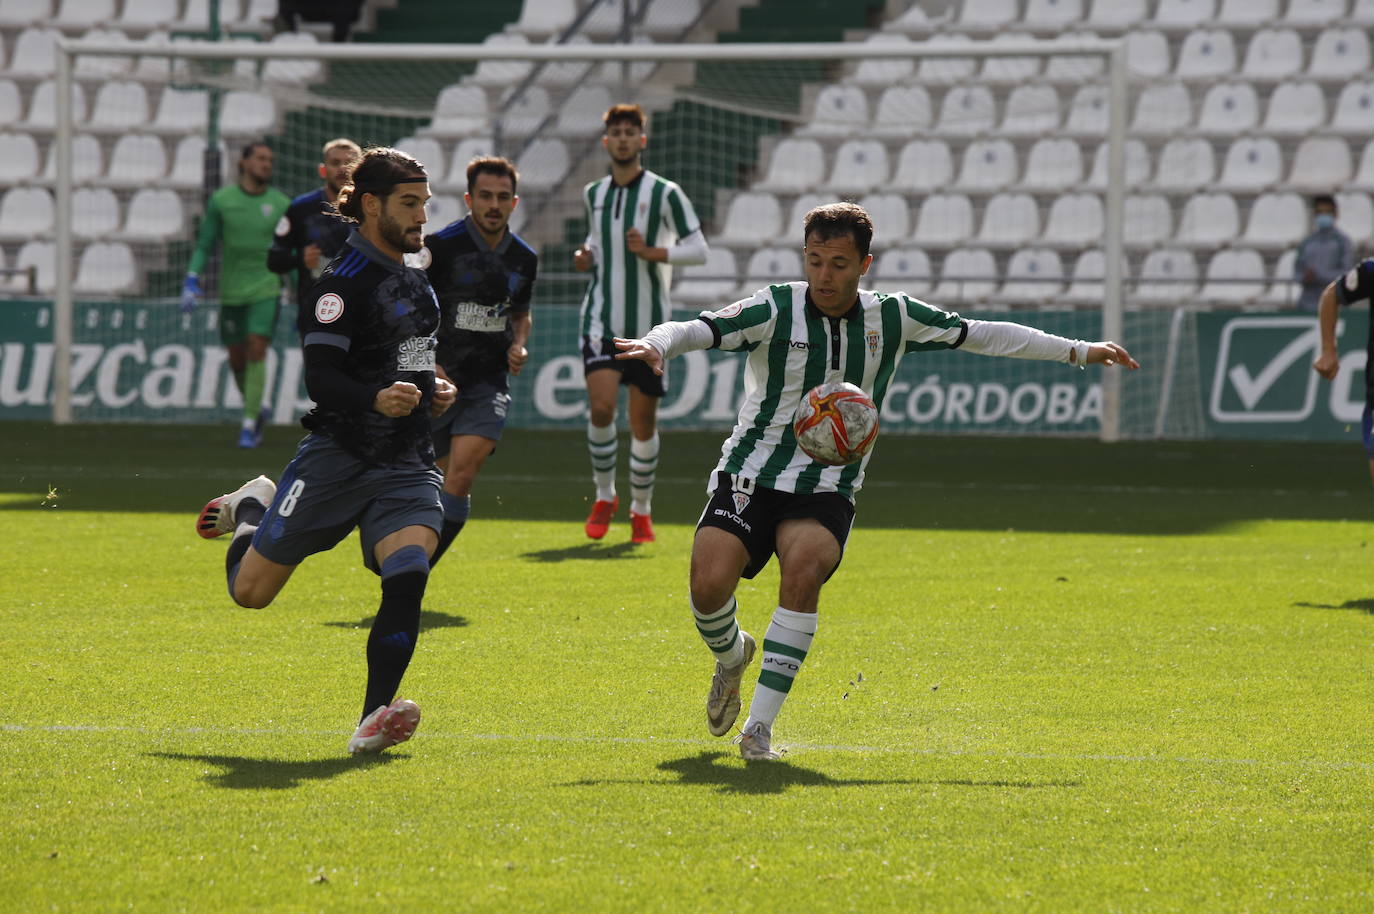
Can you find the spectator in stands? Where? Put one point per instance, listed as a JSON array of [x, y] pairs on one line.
[[311, 232], [339, 13], [1323, 255], [243, 216]]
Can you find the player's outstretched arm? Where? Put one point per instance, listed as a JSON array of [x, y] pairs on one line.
[[665, 341], [1109, 353]]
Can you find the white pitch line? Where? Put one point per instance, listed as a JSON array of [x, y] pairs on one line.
[[716, 744]]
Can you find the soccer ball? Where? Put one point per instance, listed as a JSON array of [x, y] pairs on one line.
[[836, 423]]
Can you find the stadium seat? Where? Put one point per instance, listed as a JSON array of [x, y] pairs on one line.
[[247, 114], [914, 21], [298, 72], [1320, 164], [88, 161], [986, 15], [196, 16], [95, 212], [1208, 220], [1252, 163], [460, 110], [1228, 109], [1356, 216], [526, 113], [1034, 276], [1116, 15], [1147, 54], [543, 18], [1277, 220], [153, 68], [1053, 165], [923, 166], [883, 72], [102, 67], [1087, 112], [1074, 69], [18, 158], [753, 218], [106, 268], [137, 160], [1167, 277], [796, 164], [988, 165], [1281, 292], [119, 106], [1086, 285], [1206, 54], [1074, 220], [902, 111], [43, 107], [1162, 109], [188, 162], [503, 73], [1295, 107], [25, 212], [35, 52], [1185, 165], [428, 151], [1183, 15], [891, 218], [11, 105], [20, 13], [711, 283], [41, 255], [1314, 12], [773, 265], [839, 110], [1052, 16], [1008, 70], [256, 15], [148, 14], [543, 164], [903, 269], [84, 14], [796, 214], [944, 220], [1010, 220], [565, 73], [966, 111], [1233, 277], [1247, 13], [584, 106], [1031, 111], [182, 111], [612, 73], [1137, 165], [463, 153], [859, 166], [1272, 55], [944, 71], [1362, 13], [1340, 54], [1147, 221], [154, 214], [1354, 109], [1364, 174], [968, 275]]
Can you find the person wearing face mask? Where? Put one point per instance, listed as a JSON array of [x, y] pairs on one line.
[[1323, 255]]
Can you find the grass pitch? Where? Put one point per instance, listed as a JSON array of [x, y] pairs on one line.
[[1050, 676]]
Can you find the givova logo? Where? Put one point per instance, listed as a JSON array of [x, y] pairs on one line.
[[1264, 370]]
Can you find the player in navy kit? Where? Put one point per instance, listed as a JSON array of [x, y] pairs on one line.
[[1356, 284], [368, 335], [483, 275], [311, 232]]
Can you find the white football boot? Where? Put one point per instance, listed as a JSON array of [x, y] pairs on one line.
[[218, 516], [722, 703], [755, 743], [386, 726]]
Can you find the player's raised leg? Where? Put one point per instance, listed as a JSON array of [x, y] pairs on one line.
[[253, 580], [603, 388], [718, 558], [644, 451]]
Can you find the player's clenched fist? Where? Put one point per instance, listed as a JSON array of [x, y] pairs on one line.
[[444, 395], [400, 399]]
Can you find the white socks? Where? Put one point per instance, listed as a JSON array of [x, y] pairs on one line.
[[784, 648], [601, 444], [643, 470]]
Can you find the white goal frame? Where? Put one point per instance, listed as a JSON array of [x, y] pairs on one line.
[[1113, 51]]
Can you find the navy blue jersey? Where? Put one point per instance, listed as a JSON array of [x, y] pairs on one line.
[[383, 315], [1358, 285], [480, 288], [310, 219]]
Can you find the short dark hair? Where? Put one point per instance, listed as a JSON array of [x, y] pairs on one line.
[[493, 165], [1319, 199], [836, 220], [249, 148], [379, 170], [624, 113]]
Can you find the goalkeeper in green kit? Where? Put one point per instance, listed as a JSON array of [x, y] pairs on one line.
[[244, 217]]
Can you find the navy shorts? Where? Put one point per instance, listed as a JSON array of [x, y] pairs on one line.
[[752, 513], [325, 492], [601, 353], [480, 410]]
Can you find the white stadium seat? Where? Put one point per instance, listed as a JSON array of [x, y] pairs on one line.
[[93, 67], [882, 72], [503, 73], [1208, 221], [944, 71], [1009, 70], [753, 218], [1272, 54], [137, 160], [11, 105], [19, 13], [1281, 291], [986, 15], [667, 21], [196, 16], [141, 15], [1087, 112], [901, 112], [584, 105], [1206, 55], [711, 283], [1356, 216], [1228, 109], [95, 212], [188, 162], [1250, 13], [923, 166], [35, 53], [944, 220], [18, 158], [1162, 109], [428, 151], [1320, 164], [1137, 165], [1116, 15], [154, 215], [25, 212], [1034, 275], [1031, 111], [1147, 54], [1364, 174], [1354, 108], [465, 152], [182, 111], [987, 165], [1233, 277], [839, 111], [544, 164], [1340, 54], [1148, 220], [298, 72], [1053, 165], [859, 166], [42, 256], [524, 115], [247, 113], [441, 210], [567, 73], [1167, 277], [1362, 13], [773, 265], [891, 218], [1314, 12], [967, 275], [1252, 163], [903, 269], [1052, 16], [1086, 286], [1183, 14], [542, 18], [796, 164], [1185, 165], [1074, 220], [796, 214], [1276, 221], [106, 268], [459, 110], [1072, 68], [1010, 220], [966, 111], [88, 161], [1295, 107], [119, 106]]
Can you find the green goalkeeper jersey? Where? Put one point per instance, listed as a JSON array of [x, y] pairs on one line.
[[245, 223]]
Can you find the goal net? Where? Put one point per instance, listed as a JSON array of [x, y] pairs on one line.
[[988, 198]]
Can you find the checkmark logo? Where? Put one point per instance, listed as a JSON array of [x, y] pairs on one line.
[[1260, 369], [1252, 389]]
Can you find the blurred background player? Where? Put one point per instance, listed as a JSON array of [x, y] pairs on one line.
[[368, 340], [311, 232], [1323, 256], [483, 275], [242, 218], [767, 496], [1356, 285], [638, 224]]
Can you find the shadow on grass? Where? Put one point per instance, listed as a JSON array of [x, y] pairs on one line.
[[584, 551], [243, 773], [1366, 605], [709, 768], [430, 619]]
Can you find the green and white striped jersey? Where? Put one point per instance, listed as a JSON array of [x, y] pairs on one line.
[[793, 347], [628, 295]]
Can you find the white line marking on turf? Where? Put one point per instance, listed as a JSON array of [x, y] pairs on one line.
[[717, 744]]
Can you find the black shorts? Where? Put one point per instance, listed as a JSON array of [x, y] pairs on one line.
[[601, 353], [752, 513], [480, 410]]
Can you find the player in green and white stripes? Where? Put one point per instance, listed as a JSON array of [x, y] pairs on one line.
[[639, 226], [767, 496]]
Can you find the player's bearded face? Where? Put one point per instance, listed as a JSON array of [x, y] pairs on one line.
[[402, 219], [833, 268], [491, 201]]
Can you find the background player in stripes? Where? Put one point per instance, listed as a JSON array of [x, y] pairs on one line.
[[767, 496], [243, 217], [311, 232], [638, 225], [368, 341], [483, 275]]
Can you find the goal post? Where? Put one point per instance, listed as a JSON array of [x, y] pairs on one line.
[[710, 91]]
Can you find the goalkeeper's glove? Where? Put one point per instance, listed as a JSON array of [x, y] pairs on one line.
[[190, 293]]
